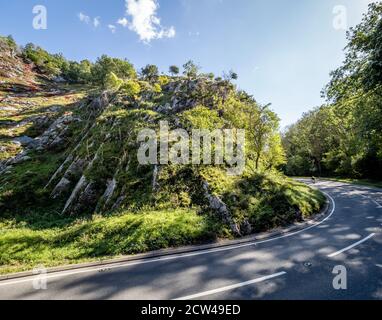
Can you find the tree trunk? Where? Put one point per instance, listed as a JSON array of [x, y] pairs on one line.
[[257, 161]]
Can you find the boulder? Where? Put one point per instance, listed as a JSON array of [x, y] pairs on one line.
[[25, 141], [62, 187], [216, 204], [22, 159]]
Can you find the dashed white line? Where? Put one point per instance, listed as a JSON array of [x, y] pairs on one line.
[[351, 247], [231, 287], [379, 206], [179, 256]]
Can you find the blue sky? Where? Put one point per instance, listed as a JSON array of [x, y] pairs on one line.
[[282, 50]]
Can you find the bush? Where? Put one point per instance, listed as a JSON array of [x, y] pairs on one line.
[[77, 72], [131, 89], [7, 43], [191, 70], [163, 80], [174, 70], [50, 64], [150, 72], [112, 82], [105, 65]]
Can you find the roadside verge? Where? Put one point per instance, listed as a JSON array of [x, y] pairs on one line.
[[253, 239]]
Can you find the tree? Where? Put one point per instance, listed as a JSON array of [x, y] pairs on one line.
[[264, 123], [362, 68], [104, 65], [231, 75], [344, 137], [263, 141], [274, 153], [150, 72], [209, 75], [174, 70], [191, 70], [8, 44], [112, 82], [50, 64]]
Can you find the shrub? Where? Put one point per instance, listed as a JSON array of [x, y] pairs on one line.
[[157, 88], [112, 82], [76, 72], [163, 80], [174, 70], [50, 64], [150, 72], [104, 65], [191, 70], [131, 89]]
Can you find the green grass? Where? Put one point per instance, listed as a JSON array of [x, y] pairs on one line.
[[27, 243], [43, 237], [9, 150], [33, 233], [24, 186], [273, 200]]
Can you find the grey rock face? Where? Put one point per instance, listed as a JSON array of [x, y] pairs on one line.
[[55, 136], [99, 104], [62, 187], [216, 204], [25, 141], [21, 159], [8, 109], [55, 109], [246, 228], [87, 200], [76, 169]]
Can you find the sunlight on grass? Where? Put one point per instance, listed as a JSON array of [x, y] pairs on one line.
[[24, 245]]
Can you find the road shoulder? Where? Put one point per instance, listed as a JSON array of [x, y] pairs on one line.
[[265, 236]]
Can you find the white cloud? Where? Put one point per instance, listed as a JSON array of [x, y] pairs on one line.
[[194, 34], [123, 22], [96, 22], [167, 33], [112, 28], [84, 18], [88, 20], [145, 21]]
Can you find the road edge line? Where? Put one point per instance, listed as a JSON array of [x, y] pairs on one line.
[[180, 252]]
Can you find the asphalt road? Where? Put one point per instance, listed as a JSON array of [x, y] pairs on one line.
[[295, 266]]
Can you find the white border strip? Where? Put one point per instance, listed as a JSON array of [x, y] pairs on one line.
[[351, 247], [232, 287]]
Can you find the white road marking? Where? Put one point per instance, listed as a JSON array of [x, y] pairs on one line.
[[232, 287], [351, 247], [379, 206], [180, 256], [379, 265], [377, 203]]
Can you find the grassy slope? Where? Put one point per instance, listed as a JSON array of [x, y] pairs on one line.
[[53, 241], [33, 233], [27, 241]]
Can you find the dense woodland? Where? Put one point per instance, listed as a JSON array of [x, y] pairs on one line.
[[344, 137]]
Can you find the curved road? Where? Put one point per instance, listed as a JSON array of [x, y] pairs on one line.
[[295, 266]]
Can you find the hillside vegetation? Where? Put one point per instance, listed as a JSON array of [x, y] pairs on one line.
[[71, 186], [343, 138]]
